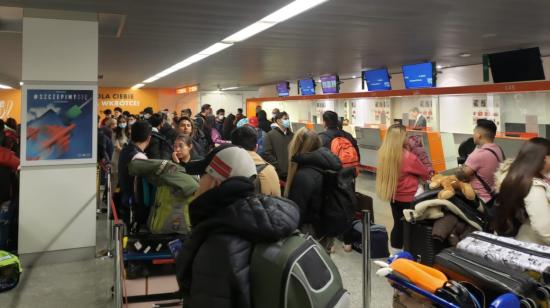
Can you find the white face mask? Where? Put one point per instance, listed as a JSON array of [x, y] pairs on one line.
[[146, 116], [122, 125], [221, 117]]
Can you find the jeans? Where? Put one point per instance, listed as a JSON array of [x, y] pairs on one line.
[[396, 238]]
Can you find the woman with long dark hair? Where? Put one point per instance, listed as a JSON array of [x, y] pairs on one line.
[[524, 195]]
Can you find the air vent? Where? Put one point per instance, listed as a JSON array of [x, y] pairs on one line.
[[11, 19]]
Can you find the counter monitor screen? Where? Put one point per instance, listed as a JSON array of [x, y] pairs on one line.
[[517, 65], [418, 76], [329, 83], [307, 86], [283, 88], [377, 80]]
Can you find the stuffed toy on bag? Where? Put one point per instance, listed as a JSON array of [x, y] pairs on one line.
[[449, 185]]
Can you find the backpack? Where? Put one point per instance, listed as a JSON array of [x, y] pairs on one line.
[[170, 213], [295, 272], [337, 211], [346, 152]]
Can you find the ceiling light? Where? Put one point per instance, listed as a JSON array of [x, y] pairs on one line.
[[248, 32], [295, 8], [215, 48], [354, 76], [137, 86], [465, 55], [439, 67], [21, 83], [5, 87], [230, 88]]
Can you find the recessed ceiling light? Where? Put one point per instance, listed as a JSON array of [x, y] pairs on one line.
[[439, 67], [5, 87], [137, 86], [465, 55], [21, 83], [354, 76]]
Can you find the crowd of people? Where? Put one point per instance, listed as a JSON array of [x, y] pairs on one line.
[[258, 181]]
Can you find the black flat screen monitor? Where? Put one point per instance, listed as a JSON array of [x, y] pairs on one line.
[[517, 65]]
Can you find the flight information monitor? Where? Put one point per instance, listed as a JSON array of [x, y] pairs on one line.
[[377, 80], [329, 83], [418, 76], [307, 86]]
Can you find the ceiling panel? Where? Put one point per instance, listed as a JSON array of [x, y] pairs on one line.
[[342, 36]]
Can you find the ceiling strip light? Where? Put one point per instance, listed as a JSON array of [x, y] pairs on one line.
[[294, 8], [137, 86], [230, 88], [249, 31], [5, 87], [215, 48]]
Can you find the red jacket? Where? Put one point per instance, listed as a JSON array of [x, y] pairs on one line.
[[8, 159], [412, 169]]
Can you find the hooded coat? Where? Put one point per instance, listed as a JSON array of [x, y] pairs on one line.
[[214, 265], [307, 185]]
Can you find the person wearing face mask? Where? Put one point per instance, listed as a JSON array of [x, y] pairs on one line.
[[229, 218], [220, 118], [135, 149], [276, 144], [523, 190], [131, 120], [120, 139], [147, 113]]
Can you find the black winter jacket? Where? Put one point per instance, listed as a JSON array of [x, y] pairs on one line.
[[213, 267], [307, 185], [331, 133], [159, 147]]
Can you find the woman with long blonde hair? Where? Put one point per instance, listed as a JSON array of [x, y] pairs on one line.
[[397, 177], [304, 185]]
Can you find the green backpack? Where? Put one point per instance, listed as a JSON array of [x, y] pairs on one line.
[[295, 273], [170, 213]]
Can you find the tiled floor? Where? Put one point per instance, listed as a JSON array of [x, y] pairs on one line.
[[88, 283]]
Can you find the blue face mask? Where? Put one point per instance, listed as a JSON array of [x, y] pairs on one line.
[[122, 125], [286, 123]]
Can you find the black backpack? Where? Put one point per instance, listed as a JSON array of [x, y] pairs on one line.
[[337, 211]]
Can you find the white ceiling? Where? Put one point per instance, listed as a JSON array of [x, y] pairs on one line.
[[341, 36]]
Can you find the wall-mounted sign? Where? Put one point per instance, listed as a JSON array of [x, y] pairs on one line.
[[187, 90]]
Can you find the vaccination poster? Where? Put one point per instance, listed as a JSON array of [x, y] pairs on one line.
[[59, 125]]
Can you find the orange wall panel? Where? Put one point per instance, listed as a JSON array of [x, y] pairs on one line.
[[10, 104], [133, 101]]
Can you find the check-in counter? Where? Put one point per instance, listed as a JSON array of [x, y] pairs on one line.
[[511, 143]]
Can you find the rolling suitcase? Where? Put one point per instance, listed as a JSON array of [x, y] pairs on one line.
[[418, 240], [508, 252], [493, 280], [378, 236]]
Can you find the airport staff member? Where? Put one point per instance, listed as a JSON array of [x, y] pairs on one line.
[[420, 120]]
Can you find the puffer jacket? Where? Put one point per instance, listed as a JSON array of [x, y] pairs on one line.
[[213, 267], [307, 185], [536, 227]]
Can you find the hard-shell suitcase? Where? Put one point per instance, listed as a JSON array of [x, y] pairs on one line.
[[378, 237], [418, 240], [509, 252], [491, 279]]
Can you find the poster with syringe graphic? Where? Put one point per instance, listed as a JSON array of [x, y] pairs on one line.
[[59, 124]]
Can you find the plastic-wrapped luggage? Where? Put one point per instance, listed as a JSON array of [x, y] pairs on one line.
[[492, 280], [509, 252]]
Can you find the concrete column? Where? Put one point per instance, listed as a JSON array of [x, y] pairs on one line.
[[57, 220]]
